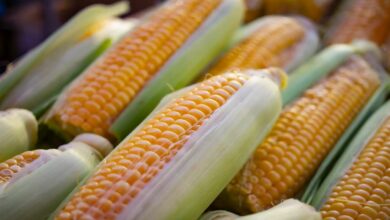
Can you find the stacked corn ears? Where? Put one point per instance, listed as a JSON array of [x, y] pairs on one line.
[[277, 127]]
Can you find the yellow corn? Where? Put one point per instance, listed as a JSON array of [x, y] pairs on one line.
[[301, 138], [96, 100], [360, 19], [10, 167], [160, 141], [364, 191], [272, 44]]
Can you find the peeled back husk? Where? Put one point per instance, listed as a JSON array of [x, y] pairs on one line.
[[290, 209]]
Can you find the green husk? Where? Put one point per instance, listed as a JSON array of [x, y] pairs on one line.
[[375, 102], [41, 187], [41, 74], [183, 67], [321, 65], [349, 155], [290, 209], [18, 132]]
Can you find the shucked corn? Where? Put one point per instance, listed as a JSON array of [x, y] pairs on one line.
[[300, 140]]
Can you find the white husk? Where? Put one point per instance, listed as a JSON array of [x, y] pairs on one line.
[[290, 209], [18, 132], [211, 156], [306, 48], [37, 191]]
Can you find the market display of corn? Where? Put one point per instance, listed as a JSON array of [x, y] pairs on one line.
[[220, 109]]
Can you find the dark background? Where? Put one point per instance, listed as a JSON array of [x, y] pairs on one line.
[[26, 23]]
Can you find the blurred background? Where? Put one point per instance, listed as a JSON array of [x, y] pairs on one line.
[[26, 23]]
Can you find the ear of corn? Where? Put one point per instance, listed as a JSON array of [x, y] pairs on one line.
[[289, 209], [271, 41], [321, 65], [18, 132], [358, 186], [360, 19], [39, 77], [304, 134], [375, 102], [161, 157], [34, 183], [164, 53]]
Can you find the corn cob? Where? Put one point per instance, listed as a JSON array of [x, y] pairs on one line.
[[360, 19], [303, 135], [39, 76], [312, 9], [163, 53], [271, 41], [34, 183], [290, 209], [18, 132], [358, 187], [162, 155]]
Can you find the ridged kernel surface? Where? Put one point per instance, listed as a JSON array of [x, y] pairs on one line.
[[104, 91], [361, 19], [363, 193], [301, 138], [135, 162], [270, 45]]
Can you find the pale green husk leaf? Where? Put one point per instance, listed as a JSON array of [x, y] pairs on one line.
[[18, 132], [42, 73], [290, 209]]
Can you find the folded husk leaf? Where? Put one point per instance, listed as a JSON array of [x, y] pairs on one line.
[[18, 132], [42, 73]]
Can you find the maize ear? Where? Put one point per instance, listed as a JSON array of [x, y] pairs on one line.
[[41, 74], [301, 138], [271, 41], [18, 132], [360, 19], [34, 183], [358, 187], [312, 9], [161, 157], [164, 52], [289, 209]]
